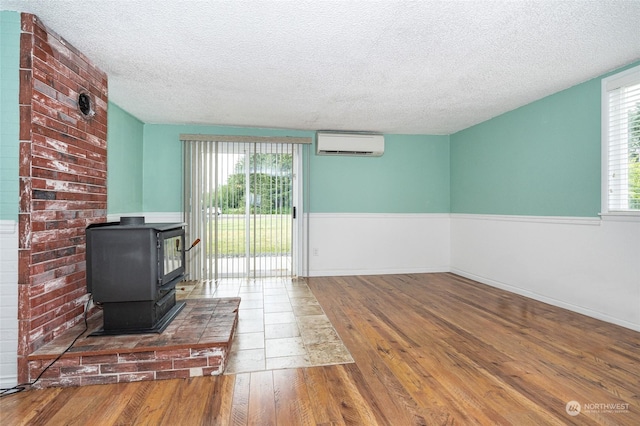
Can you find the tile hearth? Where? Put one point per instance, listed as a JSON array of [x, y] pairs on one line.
[[280, 325]]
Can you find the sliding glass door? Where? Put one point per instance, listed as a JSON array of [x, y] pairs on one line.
[[239, 200]]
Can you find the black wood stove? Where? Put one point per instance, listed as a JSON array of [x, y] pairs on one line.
[[132, 270]]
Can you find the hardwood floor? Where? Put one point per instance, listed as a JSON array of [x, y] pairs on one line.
[[429, 349]]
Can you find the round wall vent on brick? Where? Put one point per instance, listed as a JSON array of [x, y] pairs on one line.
[[85, 105]]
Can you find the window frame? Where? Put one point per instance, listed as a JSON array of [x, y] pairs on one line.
[[623, 78]]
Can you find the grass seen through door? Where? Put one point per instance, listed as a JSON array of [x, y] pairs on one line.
[[270, 234]]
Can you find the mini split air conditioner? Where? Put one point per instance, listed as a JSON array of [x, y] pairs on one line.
[[364, 144]]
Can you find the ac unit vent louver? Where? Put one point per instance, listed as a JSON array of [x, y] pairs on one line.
[[356, 144]]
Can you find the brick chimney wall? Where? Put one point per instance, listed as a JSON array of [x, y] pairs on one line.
[[63, 178]]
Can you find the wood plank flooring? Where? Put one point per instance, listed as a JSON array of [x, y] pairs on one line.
[[429, 349]]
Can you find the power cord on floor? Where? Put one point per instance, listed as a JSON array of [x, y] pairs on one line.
[[19, 388]]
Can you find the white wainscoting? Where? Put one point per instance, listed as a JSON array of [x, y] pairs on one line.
[[590, 266], [8, 303], [371, 244], [586, 265]]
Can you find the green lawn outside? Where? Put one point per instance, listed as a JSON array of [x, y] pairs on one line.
[[271, 234]]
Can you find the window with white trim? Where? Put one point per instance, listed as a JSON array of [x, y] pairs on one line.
[[621, 142]]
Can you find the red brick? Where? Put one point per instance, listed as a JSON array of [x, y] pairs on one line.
[[61, 88], [80, 370], [214, 361], [68, 101], [64, 361], [54, 123], [62, 78], [25, 122], [39, 279], [24, 230], [39, 321], [46, 103], [47, 297], [51, 326], [173, 354], [35, 290], [35, 368], [173, 374], [51, 247], [153, 365], [39, 30], [24, 255], [190, 363], [42, 87], [73, 67], [42, 71], [215, 351], [23, 341], [26, 22], [59, 382], [124, 367], [98, 380], [25, 94], [137, 356], [37, 227], [99, 359], [77, 280], [66, 270], [40, 53], [26, 59], [136, 377], [41, 108]]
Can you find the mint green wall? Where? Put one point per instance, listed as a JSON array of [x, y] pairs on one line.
[[411, 177], [9, 113], [124, 161], [540, 159], [162, 160]]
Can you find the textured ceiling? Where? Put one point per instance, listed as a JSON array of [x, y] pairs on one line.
[[432, 67]]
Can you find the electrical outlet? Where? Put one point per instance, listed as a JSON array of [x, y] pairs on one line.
[[315, 252]]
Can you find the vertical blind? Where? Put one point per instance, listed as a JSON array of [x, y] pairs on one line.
[[238, 195], [622, 133]]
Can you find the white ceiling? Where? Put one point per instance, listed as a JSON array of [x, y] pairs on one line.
[[425, 67]]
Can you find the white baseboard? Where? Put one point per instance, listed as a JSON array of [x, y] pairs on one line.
[[348, 272]]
